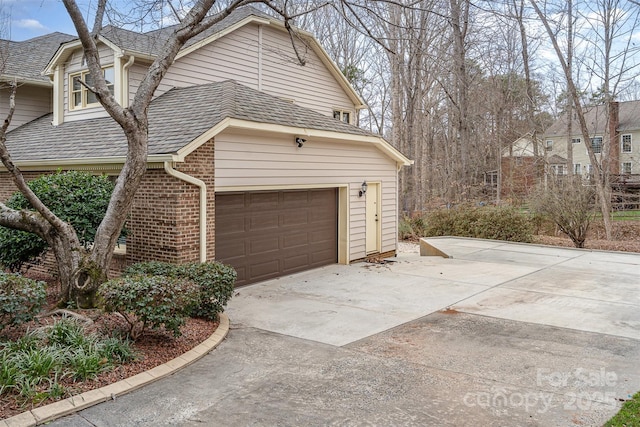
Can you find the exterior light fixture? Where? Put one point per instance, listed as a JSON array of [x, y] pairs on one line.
[[363, 189], [300, 141]]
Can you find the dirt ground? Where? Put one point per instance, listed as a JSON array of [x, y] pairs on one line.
[[625, 237]]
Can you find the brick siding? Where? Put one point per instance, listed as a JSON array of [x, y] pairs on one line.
[[164, 221]]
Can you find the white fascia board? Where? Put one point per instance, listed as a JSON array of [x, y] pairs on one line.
[[220, 34], [60, 56], [66, 48], [25, 80], [86, 162], [230, 123]]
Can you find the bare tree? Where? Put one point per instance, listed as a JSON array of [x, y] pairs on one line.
[[569, 204], [610, 22], [82, 271]]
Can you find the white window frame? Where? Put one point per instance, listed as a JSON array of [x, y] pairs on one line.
[[83, 91], [342, 115], [601, 144], [625, 172], [622, 143], [577, 169], [548, 145]]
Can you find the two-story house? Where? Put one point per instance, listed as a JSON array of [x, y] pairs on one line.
[[254, 159], [618, 122]]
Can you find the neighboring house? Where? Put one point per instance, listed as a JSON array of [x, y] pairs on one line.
[[254, 160], [520, 168], [619, 122]]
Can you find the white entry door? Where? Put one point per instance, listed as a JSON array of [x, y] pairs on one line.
[[372, 214]]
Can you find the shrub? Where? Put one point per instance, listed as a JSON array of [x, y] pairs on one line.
[[214, 280], [569, 203], [78, 198], [149, 301], [20, 299], [480, 222], [411, 227]]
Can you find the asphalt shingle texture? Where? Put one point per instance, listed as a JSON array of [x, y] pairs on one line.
[[596, 118], [175, 119], [28, 58]]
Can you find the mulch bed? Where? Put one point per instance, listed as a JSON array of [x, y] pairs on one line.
[[153, 348]]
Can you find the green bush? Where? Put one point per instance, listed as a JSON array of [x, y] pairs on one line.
[[214, 280], [78, 198], [411, 227], [20, 299], [150, 301], [497, 223]]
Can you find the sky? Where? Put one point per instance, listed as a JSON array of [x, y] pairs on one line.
[[32, 18]]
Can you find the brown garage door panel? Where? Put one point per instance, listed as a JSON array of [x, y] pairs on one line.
[[268, 234]]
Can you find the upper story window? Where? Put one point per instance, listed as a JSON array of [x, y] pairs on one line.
[[626, 168], [549, 144], [79, 95], [342, 115], [626, 143], [596, 144], [575, 140]]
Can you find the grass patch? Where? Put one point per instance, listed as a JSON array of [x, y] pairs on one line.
[[629, 414]]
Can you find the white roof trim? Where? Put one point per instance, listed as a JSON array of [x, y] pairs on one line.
[[92, 162], [220, 34], [67, 48], [229, 123]]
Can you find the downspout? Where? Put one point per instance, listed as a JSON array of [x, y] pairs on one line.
[[124, 90], [203, 204]]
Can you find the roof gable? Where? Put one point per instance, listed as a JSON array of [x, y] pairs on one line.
[[149, 44]]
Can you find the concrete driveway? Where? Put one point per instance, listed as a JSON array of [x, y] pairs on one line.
[[499, 335]]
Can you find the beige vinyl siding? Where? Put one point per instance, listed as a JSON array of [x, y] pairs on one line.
[[263, 162], [312, 85], [74, 65], [234, 56], [136, 73], [31, 102]]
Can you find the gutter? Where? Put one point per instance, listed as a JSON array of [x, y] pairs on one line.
[[203, 204]]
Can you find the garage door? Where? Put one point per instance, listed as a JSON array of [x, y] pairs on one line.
[[267, 234]]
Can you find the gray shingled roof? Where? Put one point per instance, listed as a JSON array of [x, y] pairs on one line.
[[596, 120], [175, 119], [28, 58], [151, 42]]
